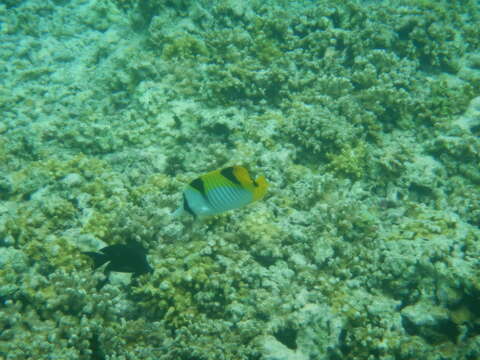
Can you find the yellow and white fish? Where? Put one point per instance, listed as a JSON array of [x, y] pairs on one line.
[[221, 190]]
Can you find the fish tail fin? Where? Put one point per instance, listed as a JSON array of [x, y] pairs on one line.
[[98, 259], [261, 188]]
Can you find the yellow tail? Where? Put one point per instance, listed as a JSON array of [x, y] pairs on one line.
[[261, 188]]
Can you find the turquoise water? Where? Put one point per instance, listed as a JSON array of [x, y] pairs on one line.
[[364, 116]]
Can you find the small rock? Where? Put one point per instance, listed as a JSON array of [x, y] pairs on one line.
[[425, 314], [72, 180], [447, 295]]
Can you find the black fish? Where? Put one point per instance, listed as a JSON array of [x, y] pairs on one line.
[[128, 258]]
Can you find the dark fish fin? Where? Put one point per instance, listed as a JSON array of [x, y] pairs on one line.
[[112, 250], [98, 259], [134, 244]]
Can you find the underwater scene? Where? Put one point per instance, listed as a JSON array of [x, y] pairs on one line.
[[239, 179]]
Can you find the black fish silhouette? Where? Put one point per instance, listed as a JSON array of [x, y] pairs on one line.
[[128, 258]]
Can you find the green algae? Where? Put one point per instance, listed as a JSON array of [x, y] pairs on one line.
[[184, 47]]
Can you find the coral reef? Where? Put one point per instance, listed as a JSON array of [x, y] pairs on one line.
[[364, 116]]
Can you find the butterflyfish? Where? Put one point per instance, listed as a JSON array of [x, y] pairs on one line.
[[221, 190]]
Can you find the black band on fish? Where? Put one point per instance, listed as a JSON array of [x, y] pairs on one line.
[[187, 207], [230, 175], [198, 185]]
